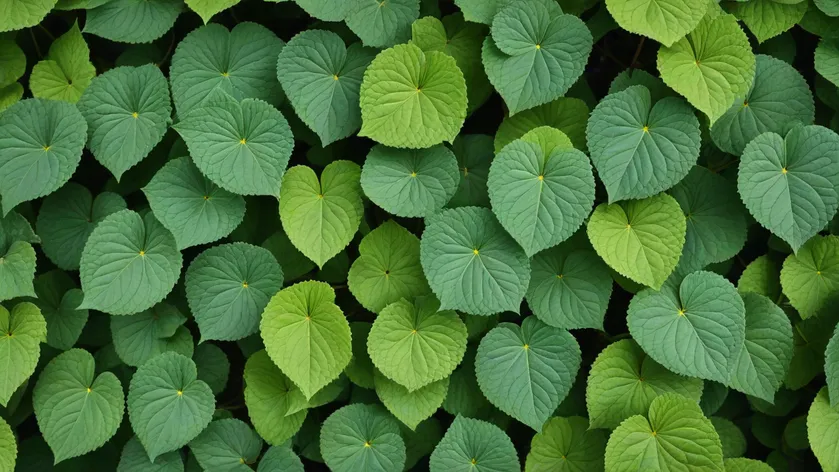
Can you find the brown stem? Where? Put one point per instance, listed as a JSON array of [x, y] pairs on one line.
[[637, 51]]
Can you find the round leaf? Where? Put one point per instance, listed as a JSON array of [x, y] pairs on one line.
[[228, 444], [822, 420], [382, 24], [665, 21], [411, 407], [811, 277], [360, 437], [21, 333], [19, 14], [566, 444], [140, 337], [213, 366], [129, 21], [135, 459], [568, 115], [474, 444], [280, 459]]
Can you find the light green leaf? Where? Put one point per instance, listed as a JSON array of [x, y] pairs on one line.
[[696, 330], [42, 142], [811, 277], [21, 333], [326, 10], [76, 412], [321, 217], [213, 366], [415, 344], [665, 21], [640, 148], [409, 182], [362, 437], [568, 115], [19, 14], [228, 286], [13, 62], [742, 464], [789, 184], [566, 444], [624, 381], [470, 445], [296, 325], [206, 9], [322, 78], [269, 396], [382, 24], [140, 337], [8, 446], [133, 21], [711, 66], [388, 268], [766, 18], [412, 99], [526, 371], [135, 459], [822, 423], [58, 299], [167, 405], [66, 72], [411, 407], [17, 271], [640, 239], [471, 263], [474, 153], [677, 436], [761, 276], [229, 445]]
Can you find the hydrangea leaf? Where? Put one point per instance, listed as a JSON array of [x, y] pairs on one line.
[[410, 182], [471, 263], [227, 444], [42, 142], [474, 153], [827, 60], [360, 370], [471, 444], [676, 429], [127, 111], [568, 115], [228, 286], [326, 10], [321, 217], [412, 99], [135, 459], [767, 19], [697, 329], [243, 147], [58, 299], [741, 464], [388, 268], [711, 66], [640, 239], [778, 100], [66, 219], [322, 78], [822, 420], [17, 270], [540, 195], [22, 330], [241, 62], [640, 148], [19, 14], [811, 277], [206, 9], [133, 21], [360, 437], [280, 459], [297, 323], [269, 395], [167, 405], [535, 53], [731, 437], [624, 381], [382, 24], [665, 21], [8, 446], [140, 337], [77, 412], [789, 184], [761, 276], [566, 444], [415, 344], [129, 263], [411, 407], [66, 72], [213, 366], [526, 371]]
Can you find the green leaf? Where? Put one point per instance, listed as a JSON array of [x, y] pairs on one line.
[[480, 11], [8, 446], [408, 182], [13, 62], [827, 60], [127, 111], [696, 330], [761, 276], [206, 9], [382, 24], [76, 412], [822, 420], [470, 445], [228, 445], [630, 77], [766, 18], [10, 95], [135, 459], [21, 332], [831, 366], [411, 407], [322, 78], [731, 437], [362, 437], [624, 381], [228, 286], [388, 268], [326, 10], [19, 14], [810, 338], [321, 217], [191, 206], [711, 66], [640, 148], [676, 432], [133, 21], [17, 271], [789, 184], [58, 299], [129, 263], [665, 21], [296, 325], [241, 62], [811, 277], [526, 371], [640, 239], [66, 72], [465, 396], [471, 263], [42, 142], [474, 153], [566, 444], [140, 337], [67, 218], [280, 459], [535, 53], [742, 464], [167, 405], [568, 115], [293, 262], [213, 366], [541, 194], [360, 370], [269, 396], [415, 344]]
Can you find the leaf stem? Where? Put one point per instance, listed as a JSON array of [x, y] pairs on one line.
[[637, 51]]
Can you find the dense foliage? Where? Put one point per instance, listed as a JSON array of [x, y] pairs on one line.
[[385, 235]]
